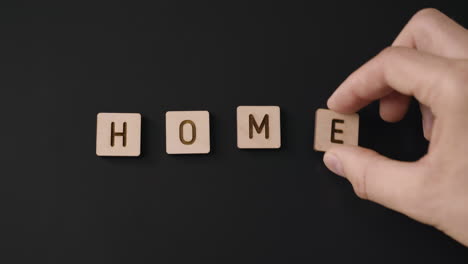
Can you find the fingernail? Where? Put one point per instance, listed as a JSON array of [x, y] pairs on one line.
[[333, 163]]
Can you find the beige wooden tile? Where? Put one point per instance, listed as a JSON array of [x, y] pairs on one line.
[[118, 134], [332, 128], [187, 132], [258, 127]]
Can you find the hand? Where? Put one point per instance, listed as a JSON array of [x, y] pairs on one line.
[[428, 60]]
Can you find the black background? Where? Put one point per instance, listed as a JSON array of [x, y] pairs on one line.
[[62, 63]]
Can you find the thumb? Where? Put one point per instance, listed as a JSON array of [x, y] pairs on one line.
[[391, 183]]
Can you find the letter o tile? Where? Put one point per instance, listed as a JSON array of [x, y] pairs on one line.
[[187, 132]]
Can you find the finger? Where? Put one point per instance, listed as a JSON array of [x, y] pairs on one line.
[[427, 120], [431, 31], [394, 106], [393, 184], [404, 70]]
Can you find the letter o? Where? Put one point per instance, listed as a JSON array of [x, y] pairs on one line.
[[181, 132]]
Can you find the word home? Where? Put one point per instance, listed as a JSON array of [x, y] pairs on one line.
[[188, 132]]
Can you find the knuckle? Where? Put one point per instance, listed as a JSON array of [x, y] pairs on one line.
[[388, 54], [449, 86], [424, 22], [460, 72], [425, 16], [360, 183], [456, 82], [392, 52], [360, 190]]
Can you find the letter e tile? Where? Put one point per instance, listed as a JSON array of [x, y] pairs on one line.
[[332, 128]]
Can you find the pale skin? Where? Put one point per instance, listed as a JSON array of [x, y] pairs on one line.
[[428, 61]]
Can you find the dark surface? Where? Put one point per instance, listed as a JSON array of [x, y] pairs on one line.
[[62, 63]]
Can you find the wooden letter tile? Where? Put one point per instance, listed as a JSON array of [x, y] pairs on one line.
[[258, 127], [332, 128], [187, 132], [118, 134]]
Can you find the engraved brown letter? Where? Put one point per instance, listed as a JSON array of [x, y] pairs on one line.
[[265, 124], [181, 132], [122, 134], [336, 131]]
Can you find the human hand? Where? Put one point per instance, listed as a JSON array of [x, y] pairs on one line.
[[428, 60]]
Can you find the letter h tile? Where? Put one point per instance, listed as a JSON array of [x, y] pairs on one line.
[[118, 134]]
